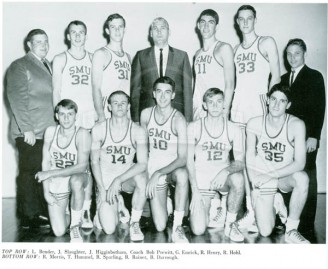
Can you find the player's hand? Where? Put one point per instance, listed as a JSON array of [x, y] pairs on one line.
[[113, 192], [43, 175], [311, 144], [197, 203], [152, 184], [219, 180], [29, 138], [261, 179], [50, 199]]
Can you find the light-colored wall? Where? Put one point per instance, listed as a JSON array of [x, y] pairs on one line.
[[282, 21]]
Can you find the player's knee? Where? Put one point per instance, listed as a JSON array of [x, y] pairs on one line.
[[182, 177], [237, 181], [301, 180], [265, 231], [59, 231], [160, 225], [76, 183], [141, 181], [109, 229], [197, 229]]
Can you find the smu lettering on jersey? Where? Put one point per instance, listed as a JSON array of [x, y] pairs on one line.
[[62, 158], [274, 152], [163, 143], [116, 77], [116, 156], [209, 73], [211, 155]]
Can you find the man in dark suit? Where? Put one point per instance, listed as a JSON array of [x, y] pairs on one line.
[[308, 103], [29, 91], [157, 61]]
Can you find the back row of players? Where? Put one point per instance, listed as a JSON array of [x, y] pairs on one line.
[[99, 84]]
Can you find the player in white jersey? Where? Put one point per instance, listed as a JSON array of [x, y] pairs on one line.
[[167, 134], [65, 161], [114, 145], [210, 141], [213, 64], [72, 80], [111, 66], [275, 158], [255, 58]]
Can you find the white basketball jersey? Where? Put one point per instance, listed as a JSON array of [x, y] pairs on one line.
[[76, 85], [60, 159], [274, 152], [252, 80], [208, 74], [116, 157], [211, 155], [116, 77], [163, 143]]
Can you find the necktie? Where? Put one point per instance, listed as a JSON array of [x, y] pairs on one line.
[[292, 79], [161, 63], [46, 65]]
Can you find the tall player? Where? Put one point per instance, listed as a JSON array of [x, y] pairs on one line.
[[210, 141], [111, 66], [72, 80], [167, 134], [65, 161], [255, 58], [114, 145], [275, 158], [214, 66]]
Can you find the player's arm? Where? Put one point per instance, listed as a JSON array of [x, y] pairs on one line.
[[238, 164], [192, 134], [187, 89], [98, 134], [141, 141], [57, 75], [17, 92], [135, 88], [98, 62], [225, 54], [144, 117], [83, 145], [271, 50], [297, 131]]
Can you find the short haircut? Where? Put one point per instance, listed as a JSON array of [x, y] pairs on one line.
[[297, 41], [118, 93], [66, 103], [165, 80], [33, 33], [247, 7], [76, 22], [160, 19], [113, 17], [280, 88], [209, 12], [211, 92]]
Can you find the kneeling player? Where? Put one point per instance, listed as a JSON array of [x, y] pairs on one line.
[[275, 158], [210, 140], [66, 153], [114, 145]]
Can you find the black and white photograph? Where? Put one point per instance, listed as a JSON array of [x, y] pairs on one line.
[[175, 131]]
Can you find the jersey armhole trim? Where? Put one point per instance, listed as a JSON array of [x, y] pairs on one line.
[[290, 143], [219, 43], [133, 144], [111, 57], [172, 116], [104, 140], [258, 48]]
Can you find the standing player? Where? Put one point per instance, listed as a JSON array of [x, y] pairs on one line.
[[214, 66], [167, 134], [111, 66], [210, 140], [72, 80], [65, 160], [275, 158], [114, 145], [255, 58]]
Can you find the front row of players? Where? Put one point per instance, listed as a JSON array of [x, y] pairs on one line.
[[169, 152]]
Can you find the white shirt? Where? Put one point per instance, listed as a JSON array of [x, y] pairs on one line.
[[165, 57], [297, 70]]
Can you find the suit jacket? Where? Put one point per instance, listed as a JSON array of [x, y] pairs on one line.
[[145, 72], [308, 99], [29, 91]]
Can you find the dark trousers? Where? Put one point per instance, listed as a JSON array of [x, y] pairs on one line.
[[30, 198]]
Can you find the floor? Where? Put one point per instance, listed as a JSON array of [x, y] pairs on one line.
[[11, 231]]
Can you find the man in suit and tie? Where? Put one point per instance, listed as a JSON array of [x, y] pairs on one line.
[[29, 91], [308, 103], [158, 61]]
